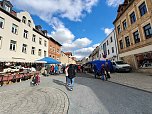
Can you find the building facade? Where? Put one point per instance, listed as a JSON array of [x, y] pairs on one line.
[[54, 49], [108, 48], [20, 39], [134, 33], [66, 58]]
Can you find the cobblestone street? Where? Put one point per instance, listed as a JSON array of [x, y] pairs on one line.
[[90, 96]]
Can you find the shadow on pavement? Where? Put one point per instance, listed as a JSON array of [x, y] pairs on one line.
[[114, 96], [59, 82]]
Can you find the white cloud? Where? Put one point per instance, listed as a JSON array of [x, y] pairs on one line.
[[114, 3], [107, 31], [47, 10], [62, 35], [84, 52], [77, 44]]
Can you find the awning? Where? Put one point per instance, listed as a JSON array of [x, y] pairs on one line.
[[49, 60]]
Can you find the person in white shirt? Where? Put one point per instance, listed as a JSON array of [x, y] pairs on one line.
[[66, 73]]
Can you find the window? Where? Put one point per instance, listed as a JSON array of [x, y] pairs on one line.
[[45, 43], [112, 49], [7, 8], [40, 41], [111, 39], [1, 22], [127, 41], [24, 19], [132, 18], [121, 44], [24, 48], [136, 37], [0, 42], [33, 51], [13, 45], [143, 9], [148, 31], [108, 52], [34, 38], [44, 53], [29, 23], [124, 24], [14, 29], [39, 52], [25, 34], [107, 42], [119, 29]]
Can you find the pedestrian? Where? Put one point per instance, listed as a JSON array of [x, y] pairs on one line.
[[66, 74], [52, 69], [95, 71], [102, 72], [37, 78], [107, 71], [56, 68], [71, 76]]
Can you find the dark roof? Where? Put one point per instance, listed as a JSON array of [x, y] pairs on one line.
[[122, 5], [9, 14], [40, 33], [50, 38]]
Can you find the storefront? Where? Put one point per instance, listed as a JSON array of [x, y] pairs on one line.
[[144, 60]]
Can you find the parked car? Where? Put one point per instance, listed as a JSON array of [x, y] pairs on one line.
[[121, 66]]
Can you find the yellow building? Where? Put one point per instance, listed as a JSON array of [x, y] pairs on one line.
[[134, 33]]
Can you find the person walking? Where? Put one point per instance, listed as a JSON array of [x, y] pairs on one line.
[[102, 72], [66, 74], [107, 71], [71, 77], [95, 71]]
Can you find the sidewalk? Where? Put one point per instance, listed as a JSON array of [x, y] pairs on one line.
[[136, 80]]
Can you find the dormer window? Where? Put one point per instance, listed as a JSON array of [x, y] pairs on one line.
[[29, 23], [7, 8], [24, 19]]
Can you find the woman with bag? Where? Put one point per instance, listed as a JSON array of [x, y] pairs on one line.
[[71, 77]]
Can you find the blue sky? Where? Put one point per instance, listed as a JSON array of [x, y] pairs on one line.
[[79, 25]]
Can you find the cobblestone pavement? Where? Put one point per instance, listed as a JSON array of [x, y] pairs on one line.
[[34, 100], [136, 80], [89, 96]]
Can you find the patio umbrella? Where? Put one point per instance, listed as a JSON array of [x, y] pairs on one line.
[[49, 60]]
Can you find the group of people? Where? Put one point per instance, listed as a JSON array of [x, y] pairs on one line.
[[70, 76], [104, 71]]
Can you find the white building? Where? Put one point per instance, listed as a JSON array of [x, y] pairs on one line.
[[20, 39], [108, 48]]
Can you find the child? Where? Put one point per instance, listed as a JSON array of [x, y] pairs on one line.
[[37, 78]]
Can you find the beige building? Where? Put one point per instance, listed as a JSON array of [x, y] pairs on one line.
[[20, 39], [134, 33], [67, 59]]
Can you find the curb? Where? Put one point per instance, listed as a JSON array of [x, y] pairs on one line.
[[130, 86], [125, 85]]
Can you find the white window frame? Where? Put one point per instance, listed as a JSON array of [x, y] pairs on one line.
[[12, 45], [25, 35], [45, 43], [14, 28], [29, 23], [24, 19], [34, 38], [24, 48], [2, 20], [33, 51], [7, 8], [39, 52], [0, 42], [40, 41], [45, 53]]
